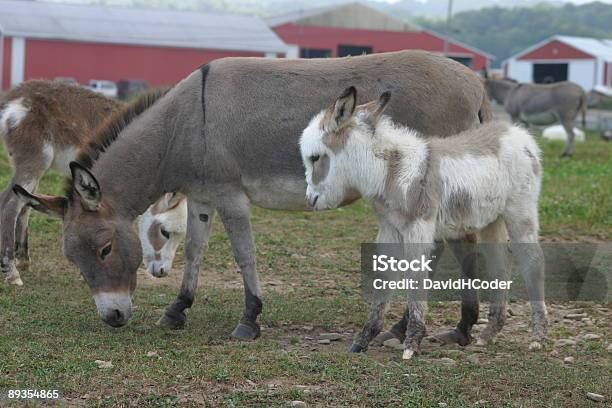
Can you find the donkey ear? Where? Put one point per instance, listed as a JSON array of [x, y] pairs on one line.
[[53, 206], [86, 186], [372, 111], [344, 107]]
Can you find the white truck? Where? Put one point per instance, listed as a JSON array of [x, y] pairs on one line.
[[105, 87]]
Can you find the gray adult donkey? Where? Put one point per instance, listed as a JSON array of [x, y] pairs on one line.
[[227, 137], [541, 104]]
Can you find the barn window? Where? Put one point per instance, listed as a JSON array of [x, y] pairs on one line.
[[354, 50], [314, 53], [549, 73]]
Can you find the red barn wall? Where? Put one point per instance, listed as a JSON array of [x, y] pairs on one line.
[[84, 61], [380, 41], [555, 50], [5, 81]]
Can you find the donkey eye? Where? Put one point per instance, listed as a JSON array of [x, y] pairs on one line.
[[314, 158], [106, 251], [165, 233]]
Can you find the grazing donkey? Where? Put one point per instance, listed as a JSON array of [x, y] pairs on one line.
[[541, 104], [218, 138], [43, 124], [427, 189]]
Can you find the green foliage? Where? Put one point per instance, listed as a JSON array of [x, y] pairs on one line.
[[506, 31]]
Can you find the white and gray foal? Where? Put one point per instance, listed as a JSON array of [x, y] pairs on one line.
[[424, 190]]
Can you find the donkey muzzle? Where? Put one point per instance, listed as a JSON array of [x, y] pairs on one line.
[[114, 308]]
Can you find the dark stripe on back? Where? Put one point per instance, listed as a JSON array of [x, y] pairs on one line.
[[204, 68]]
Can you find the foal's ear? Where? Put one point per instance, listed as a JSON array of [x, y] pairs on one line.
[[86, 186], [344, 107], [53, 206], [372, 111]]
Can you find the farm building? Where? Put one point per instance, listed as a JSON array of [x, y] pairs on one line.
[[354, 29], [85, 42], [585, 61]]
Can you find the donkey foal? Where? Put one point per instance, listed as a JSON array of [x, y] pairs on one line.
[[425, 190]]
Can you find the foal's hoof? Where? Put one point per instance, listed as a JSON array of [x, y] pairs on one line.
[[408, 354], [172, 320], [246, 331], [357, 348], [453, 337], [535, 346]]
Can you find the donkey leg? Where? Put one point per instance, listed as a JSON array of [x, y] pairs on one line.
[[373, 326], [568, 125], [199, 223], [235, 215], [418, 241], [496, 254], [21, 236], [529, 258]]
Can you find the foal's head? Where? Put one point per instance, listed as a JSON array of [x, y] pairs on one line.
[[161, 229], [101, 242], [336, 145]]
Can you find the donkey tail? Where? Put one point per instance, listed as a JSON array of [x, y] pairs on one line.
[[583, 108], [485, 114]]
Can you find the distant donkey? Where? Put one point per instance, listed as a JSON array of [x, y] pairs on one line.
[[426, 189], [43, 125], [541, 104]]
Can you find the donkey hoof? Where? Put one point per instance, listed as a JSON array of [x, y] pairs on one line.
[[172, 321], [246, 331], [408, 354], [357, 348], [14, 280], [453, 337], [535, 346], [481, 342]]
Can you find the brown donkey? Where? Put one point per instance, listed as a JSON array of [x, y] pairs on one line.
[[43, 125]]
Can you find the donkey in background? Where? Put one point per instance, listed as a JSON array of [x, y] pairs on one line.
[[426, 189], [43, 125], [541, 104]]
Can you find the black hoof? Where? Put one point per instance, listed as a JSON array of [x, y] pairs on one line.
[[453, 337], [246, 331], [356, 348], [172, 320]]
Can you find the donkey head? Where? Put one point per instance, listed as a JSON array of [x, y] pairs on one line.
[[101, 242], [161, 229], [333, 151]]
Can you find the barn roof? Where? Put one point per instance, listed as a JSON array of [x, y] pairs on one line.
[[126, 25], [598, 48], [347, 15]]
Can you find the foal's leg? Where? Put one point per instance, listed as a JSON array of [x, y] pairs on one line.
[[387, 234], [495, 250], [418, 241], [235, 215], [21, 238], [199, 223], [529, 258]]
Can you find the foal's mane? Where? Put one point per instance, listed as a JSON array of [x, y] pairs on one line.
[[108, 131]]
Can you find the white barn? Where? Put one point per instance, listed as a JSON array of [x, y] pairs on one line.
[[585, 61]]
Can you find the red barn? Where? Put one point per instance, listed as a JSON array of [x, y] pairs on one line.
[[49, 40], [585, 61], [354, 29]]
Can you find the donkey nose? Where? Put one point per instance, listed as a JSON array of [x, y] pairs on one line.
[[116, 318]]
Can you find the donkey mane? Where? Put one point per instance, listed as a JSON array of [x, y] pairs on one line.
[[108, 131]]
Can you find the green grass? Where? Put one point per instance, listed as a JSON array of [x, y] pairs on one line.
[[50, 334]]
